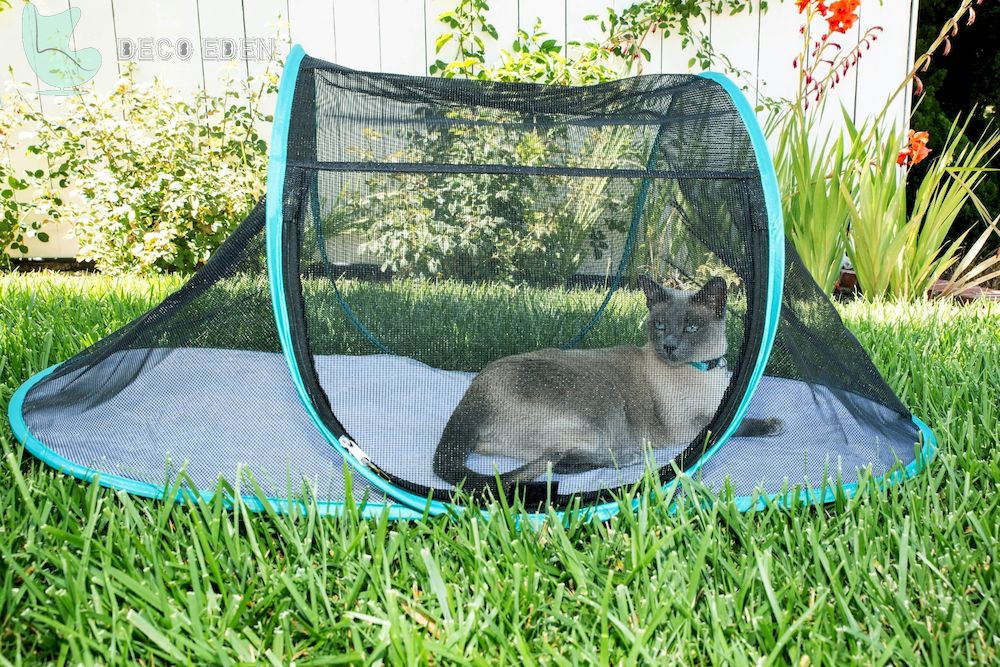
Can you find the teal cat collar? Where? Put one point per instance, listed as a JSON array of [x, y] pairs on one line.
[[706, 366]]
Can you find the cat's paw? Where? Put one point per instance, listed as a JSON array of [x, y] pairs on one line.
[[760, 428], [772, 426]]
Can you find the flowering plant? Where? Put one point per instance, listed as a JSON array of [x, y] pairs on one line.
[[150, 181], [823, 61], [899, 251], [810, 166], [915, 150], [845, 192]]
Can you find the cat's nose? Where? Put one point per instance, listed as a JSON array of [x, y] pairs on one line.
[[670, 343]]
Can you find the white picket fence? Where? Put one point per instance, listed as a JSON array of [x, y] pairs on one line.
[[192, 43]]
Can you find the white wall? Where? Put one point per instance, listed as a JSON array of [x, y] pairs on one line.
[[398, 36]]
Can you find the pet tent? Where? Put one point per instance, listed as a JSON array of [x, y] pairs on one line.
[[416, 229]]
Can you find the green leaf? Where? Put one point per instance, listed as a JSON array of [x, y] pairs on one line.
[[154, 634], [442, 39]]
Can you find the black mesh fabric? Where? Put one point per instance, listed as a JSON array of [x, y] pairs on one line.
[[455, 223], [821, 380], [429, 230], [197, 384]]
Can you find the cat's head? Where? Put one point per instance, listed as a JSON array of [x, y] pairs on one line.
[[685, 326]]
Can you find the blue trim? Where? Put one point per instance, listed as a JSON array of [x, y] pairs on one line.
[[637, 211], [321, 244], [38, 449], [775, 259], [277, 160], [829, 494]]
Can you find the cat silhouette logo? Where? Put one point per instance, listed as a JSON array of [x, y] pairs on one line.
[[48, 46]]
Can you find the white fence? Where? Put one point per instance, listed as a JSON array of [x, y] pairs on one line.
[[191, 43]]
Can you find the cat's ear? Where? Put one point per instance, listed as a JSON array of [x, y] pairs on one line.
[[654, 291], [713, 296]]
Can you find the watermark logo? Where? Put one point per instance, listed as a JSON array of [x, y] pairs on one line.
[[48, 44], [162, 49]]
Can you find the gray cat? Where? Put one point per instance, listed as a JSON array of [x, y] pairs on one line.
[[578, 410]]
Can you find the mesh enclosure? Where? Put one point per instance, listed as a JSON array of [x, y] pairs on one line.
[[459, 223], [462, 284], [840, 416], [199, 385]]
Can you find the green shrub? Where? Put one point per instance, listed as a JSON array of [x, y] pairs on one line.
[[150, 181], [499, 227]]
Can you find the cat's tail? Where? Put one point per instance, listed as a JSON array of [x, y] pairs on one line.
[[517, 482], [450, 456], [457, 443], [458, 437], [449, 464]]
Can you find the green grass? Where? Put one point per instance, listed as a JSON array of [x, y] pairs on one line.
[[905, 576], [471, 325]]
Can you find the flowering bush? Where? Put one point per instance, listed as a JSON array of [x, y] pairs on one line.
[[813, 169], [27, 198], [822, 61], [150, 182]]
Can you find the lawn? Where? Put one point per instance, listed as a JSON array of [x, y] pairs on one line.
[[905, 576]]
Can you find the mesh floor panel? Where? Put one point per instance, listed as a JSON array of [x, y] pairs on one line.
[[416, 402]]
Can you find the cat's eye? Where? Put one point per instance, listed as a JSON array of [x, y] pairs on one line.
[[691, 328], [659, 326]]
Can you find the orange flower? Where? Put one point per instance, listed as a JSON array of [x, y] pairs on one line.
[[916, 149], [804, 4], [918, 143], [843, 14]]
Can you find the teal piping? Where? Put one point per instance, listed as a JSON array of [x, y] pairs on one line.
[[637, 211], [277, 161], [15, 413], [830, 493], [38, 449], [775, 258]]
